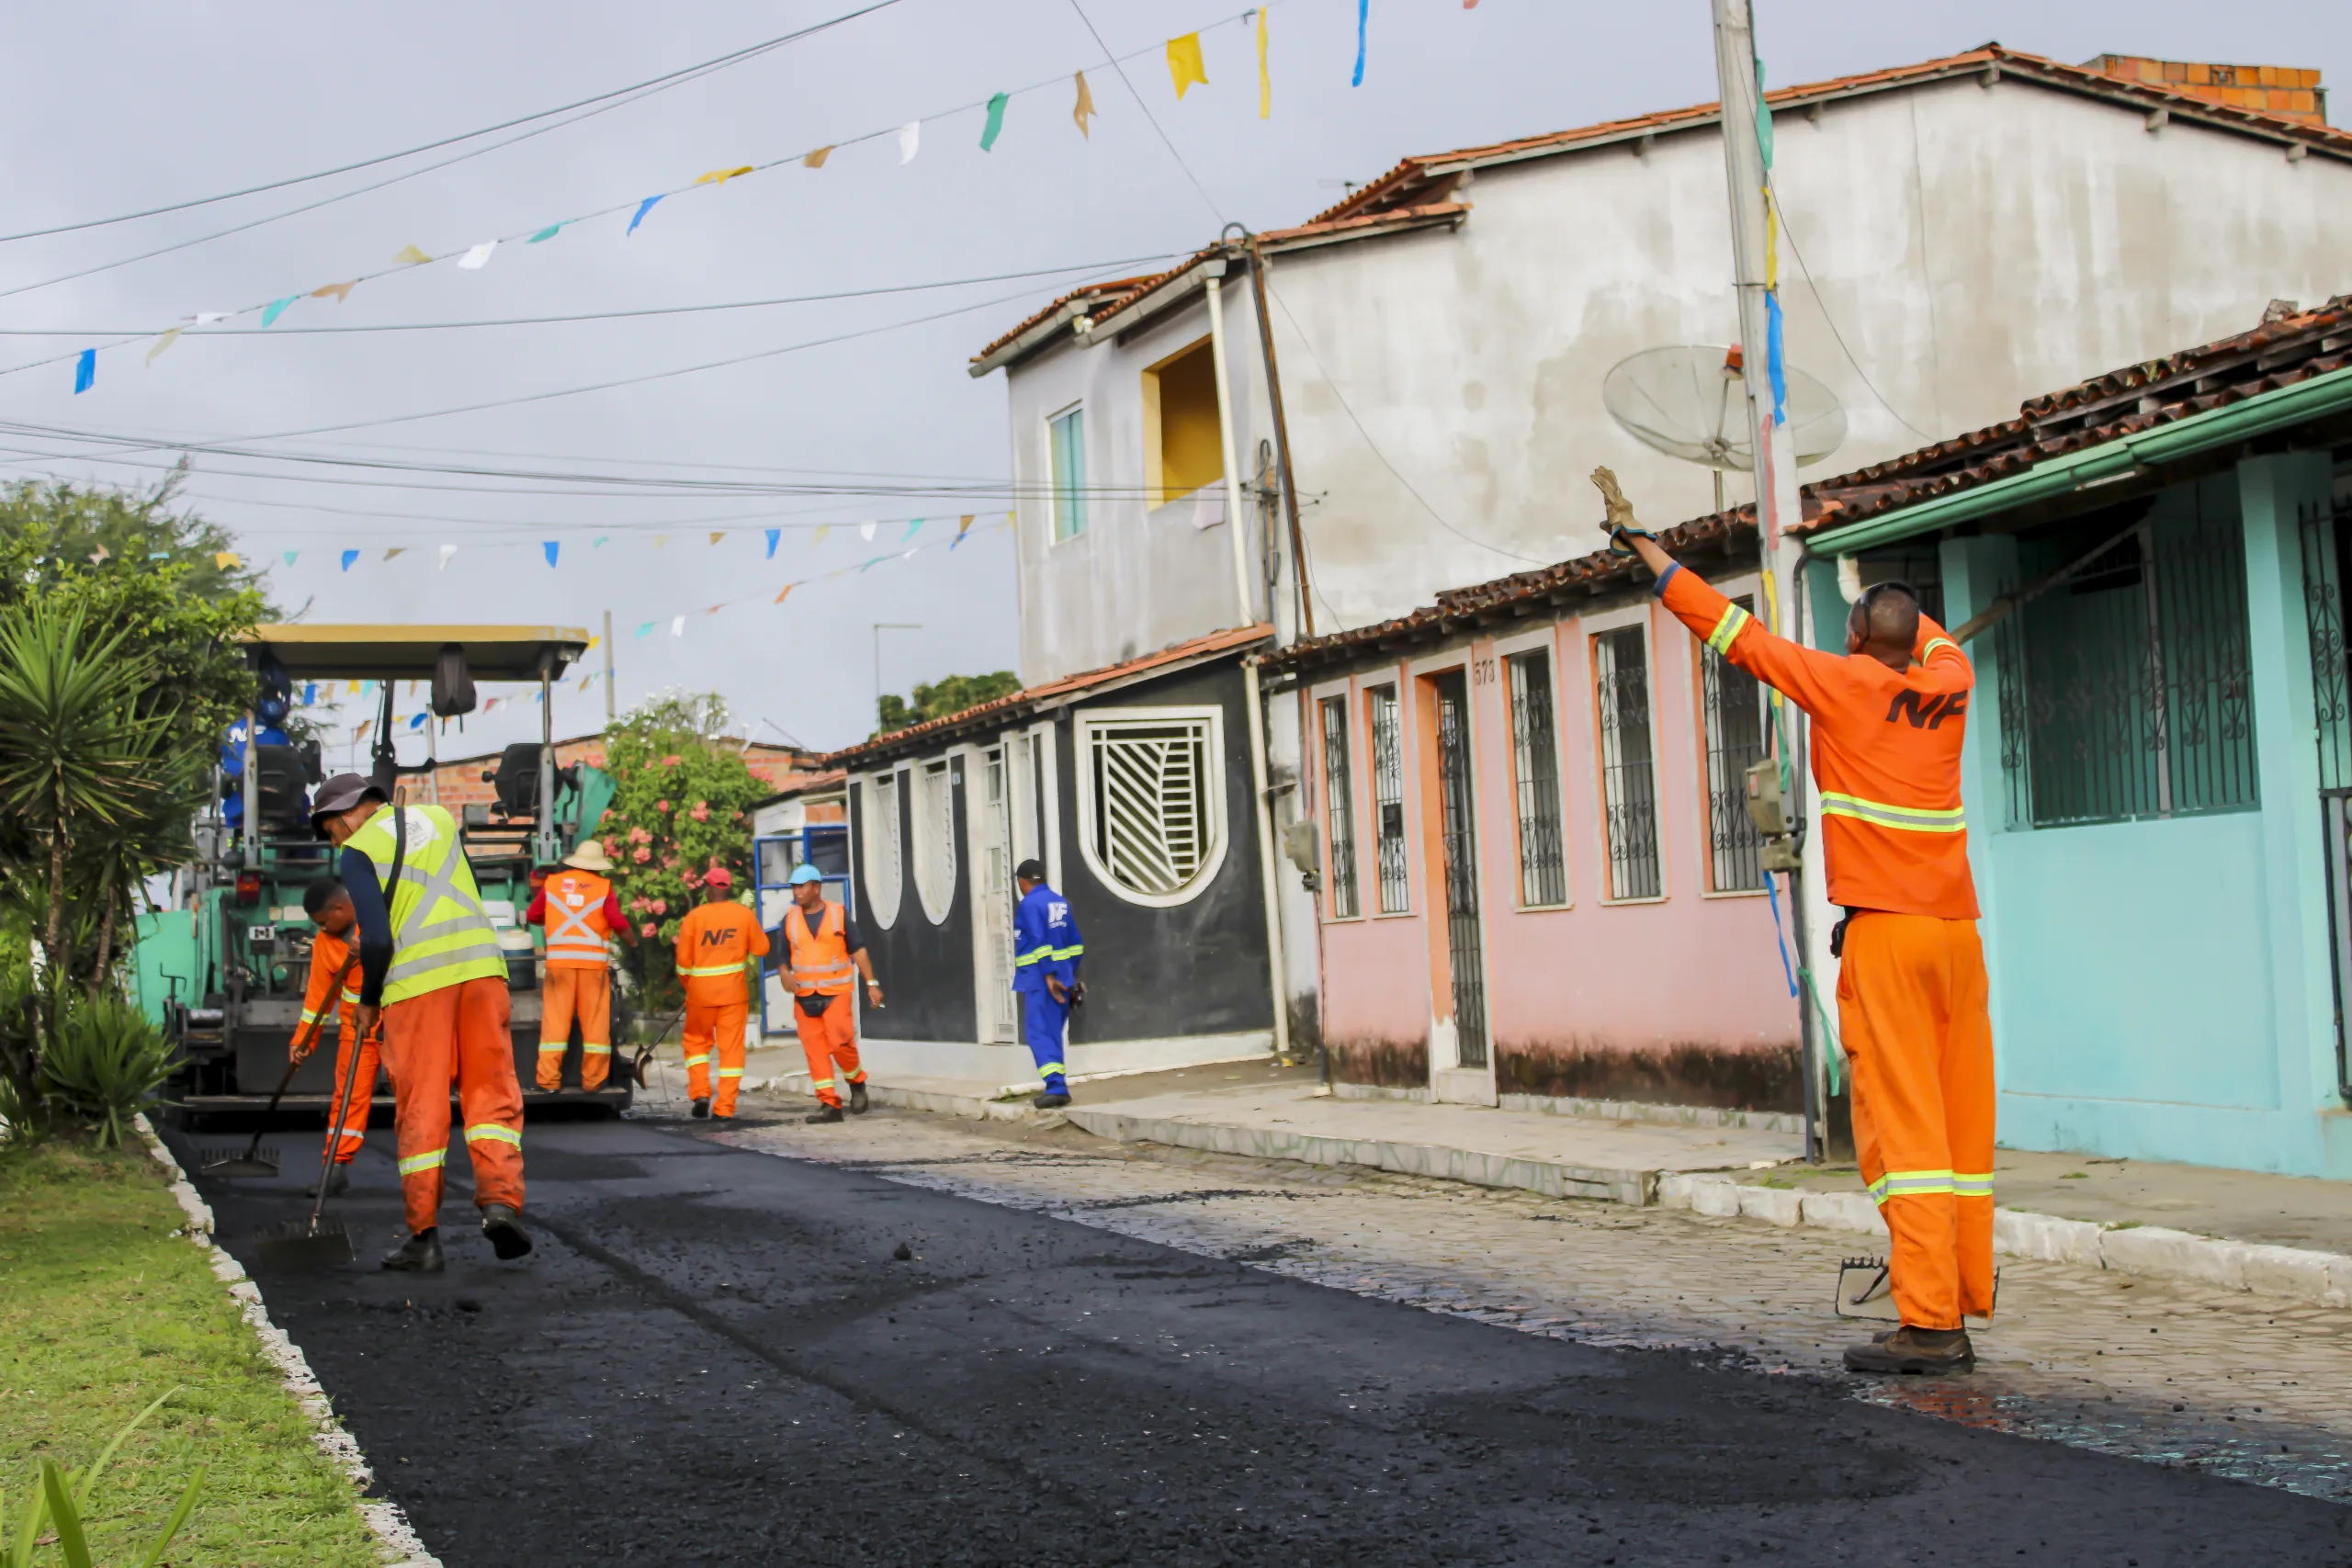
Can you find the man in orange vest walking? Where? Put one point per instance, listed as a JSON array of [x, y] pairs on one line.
[[715, 940], [826, 955], [577, 906], [1888, 720], [330, 909]]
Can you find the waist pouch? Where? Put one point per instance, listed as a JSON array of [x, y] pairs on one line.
[[815, 1003]]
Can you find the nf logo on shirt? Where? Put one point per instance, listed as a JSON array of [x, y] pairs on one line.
[[1927, 712], [717, 939]]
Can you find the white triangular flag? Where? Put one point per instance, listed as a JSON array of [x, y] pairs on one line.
[[206, 318], [910, 139], [865, 530], [447, 551], [677, 625], [479, 257]]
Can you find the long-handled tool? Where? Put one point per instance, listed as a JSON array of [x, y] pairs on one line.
[[317, 1244], [252, 1162]]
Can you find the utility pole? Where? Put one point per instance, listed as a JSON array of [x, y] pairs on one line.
[[608, 667], [880, 627], [1755, 269]]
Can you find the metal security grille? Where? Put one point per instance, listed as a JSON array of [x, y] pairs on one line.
[[1733, 702], [1462, 941], [880, 831], [2127, 691], [2327, 550], [1152, 822], [934, 837], [1339, 807], [1535, 762], [992, 830], [1628, 769], [1388, 797]]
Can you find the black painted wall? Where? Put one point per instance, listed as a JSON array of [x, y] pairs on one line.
[[925, 969]]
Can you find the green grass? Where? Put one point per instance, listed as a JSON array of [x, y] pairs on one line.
[[102, 1308]]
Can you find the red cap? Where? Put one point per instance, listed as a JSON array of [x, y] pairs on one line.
[[718, 876]]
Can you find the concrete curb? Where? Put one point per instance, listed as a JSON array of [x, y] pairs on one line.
[[395, 1539], [2321, 1278], [970, 1107]]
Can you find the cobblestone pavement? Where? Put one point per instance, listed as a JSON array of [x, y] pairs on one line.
[[2231, 1383]]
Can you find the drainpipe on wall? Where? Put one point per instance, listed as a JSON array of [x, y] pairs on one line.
[[1232, 469]]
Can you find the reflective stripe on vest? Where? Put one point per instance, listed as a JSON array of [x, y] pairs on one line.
[[1910, 818], [1735, 621], [820, 961], [1909, 1184], [441, 934], [574, 934], [736, 969]]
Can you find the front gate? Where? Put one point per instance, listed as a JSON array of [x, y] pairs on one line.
[[1462, 940]]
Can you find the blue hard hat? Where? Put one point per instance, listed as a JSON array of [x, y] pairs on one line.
[[804, 871]]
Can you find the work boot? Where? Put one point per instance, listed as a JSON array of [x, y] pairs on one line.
[[420, 1254], [1931, 1351], [337, 1179], [824, 1113], [504, 1228], [701, 1109], [858, 1099], [1052, 1100]]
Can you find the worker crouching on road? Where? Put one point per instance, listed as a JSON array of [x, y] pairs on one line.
[[715, 940], [430, 969], [580, 910], [825, 953], [1888, 719], [1045, 954], [334, 969]]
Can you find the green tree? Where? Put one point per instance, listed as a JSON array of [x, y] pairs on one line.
[[682, 807], [948, 694]]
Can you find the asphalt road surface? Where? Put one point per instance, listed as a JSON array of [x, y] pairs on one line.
[[715, 1356]]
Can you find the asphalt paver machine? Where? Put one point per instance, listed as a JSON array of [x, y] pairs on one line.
[[226, 969]]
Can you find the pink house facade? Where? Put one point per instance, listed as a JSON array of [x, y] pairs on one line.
[[1538, 881]]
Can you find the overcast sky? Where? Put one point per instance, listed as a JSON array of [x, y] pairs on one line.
[[114, 108]]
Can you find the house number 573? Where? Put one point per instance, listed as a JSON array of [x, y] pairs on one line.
[[1482, 671]]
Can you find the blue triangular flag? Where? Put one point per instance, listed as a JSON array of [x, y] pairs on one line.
[[645, 630], [417, 723], [642, 209], [276, 308], [601, 542], [547, 233], [310, 692], [773, 534], [85, 370], [913, 529], [550, 547], [289, 556], [1364, 10], [349, 556]]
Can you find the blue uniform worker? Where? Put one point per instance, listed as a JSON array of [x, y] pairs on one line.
[[269, 732], [1046, 953]]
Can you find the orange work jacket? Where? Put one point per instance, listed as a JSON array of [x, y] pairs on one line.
[[327, 953], [715, 940], [575, 920], [820, 962], [1886, 750]]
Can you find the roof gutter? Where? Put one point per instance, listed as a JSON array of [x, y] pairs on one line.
[[2258, 415], [1020, 347], [1167, 296]]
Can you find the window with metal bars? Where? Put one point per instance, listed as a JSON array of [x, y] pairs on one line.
[[1154, 792], [2126, 691], [1733, 712], [934, 837], [1628, 768], [1535, 765], [1388, 797], [1339, 809], [880, 850]]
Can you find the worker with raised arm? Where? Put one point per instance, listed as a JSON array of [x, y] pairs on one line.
[[1888, 721], [824, 958], [715, 940], [431, 971], [334, 987], [1047, 949], [580, 910]]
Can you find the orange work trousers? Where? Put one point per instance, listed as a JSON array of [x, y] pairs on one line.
[[827, 1039], [585, 992], [345, 1139], [1912, 1015], [716, 1025], [455, 1036]]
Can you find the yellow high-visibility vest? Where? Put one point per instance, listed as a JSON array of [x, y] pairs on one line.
[[441, 934]]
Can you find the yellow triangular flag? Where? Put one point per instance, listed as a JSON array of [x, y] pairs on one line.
[[340, 291], [396, 550], [717, 535], [411, 256], [1265, 82], [98, 556], [1085, 109], [226, 561], [171, 337], [816, 160], [818, 537], [660, 540], [720, 177], [1184, 66]]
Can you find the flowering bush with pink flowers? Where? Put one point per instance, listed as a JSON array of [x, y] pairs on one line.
[[682, 807]]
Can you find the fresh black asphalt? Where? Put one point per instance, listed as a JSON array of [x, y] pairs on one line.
[[716, 1357]]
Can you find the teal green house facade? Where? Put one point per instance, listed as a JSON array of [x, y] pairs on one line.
[[2159, 755]]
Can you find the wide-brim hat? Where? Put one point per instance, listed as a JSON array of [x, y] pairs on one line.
[[589, 856], [339, 794]]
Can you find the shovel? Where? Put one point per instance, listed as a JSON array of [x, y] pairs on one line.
[[252, 1162], [317, 1244]]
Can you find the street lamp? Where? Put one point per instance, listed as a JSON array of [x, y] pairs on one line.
[[880, 627]]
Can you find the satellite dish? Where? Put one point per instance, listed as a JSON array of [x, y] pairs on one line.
[[1687, 402]]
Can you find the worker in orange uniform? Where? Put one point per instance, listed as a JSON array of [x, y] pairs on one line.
[[577, 906], [432, 970], [825, 953], [1888, 719], [715, 940], [333, 969]]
